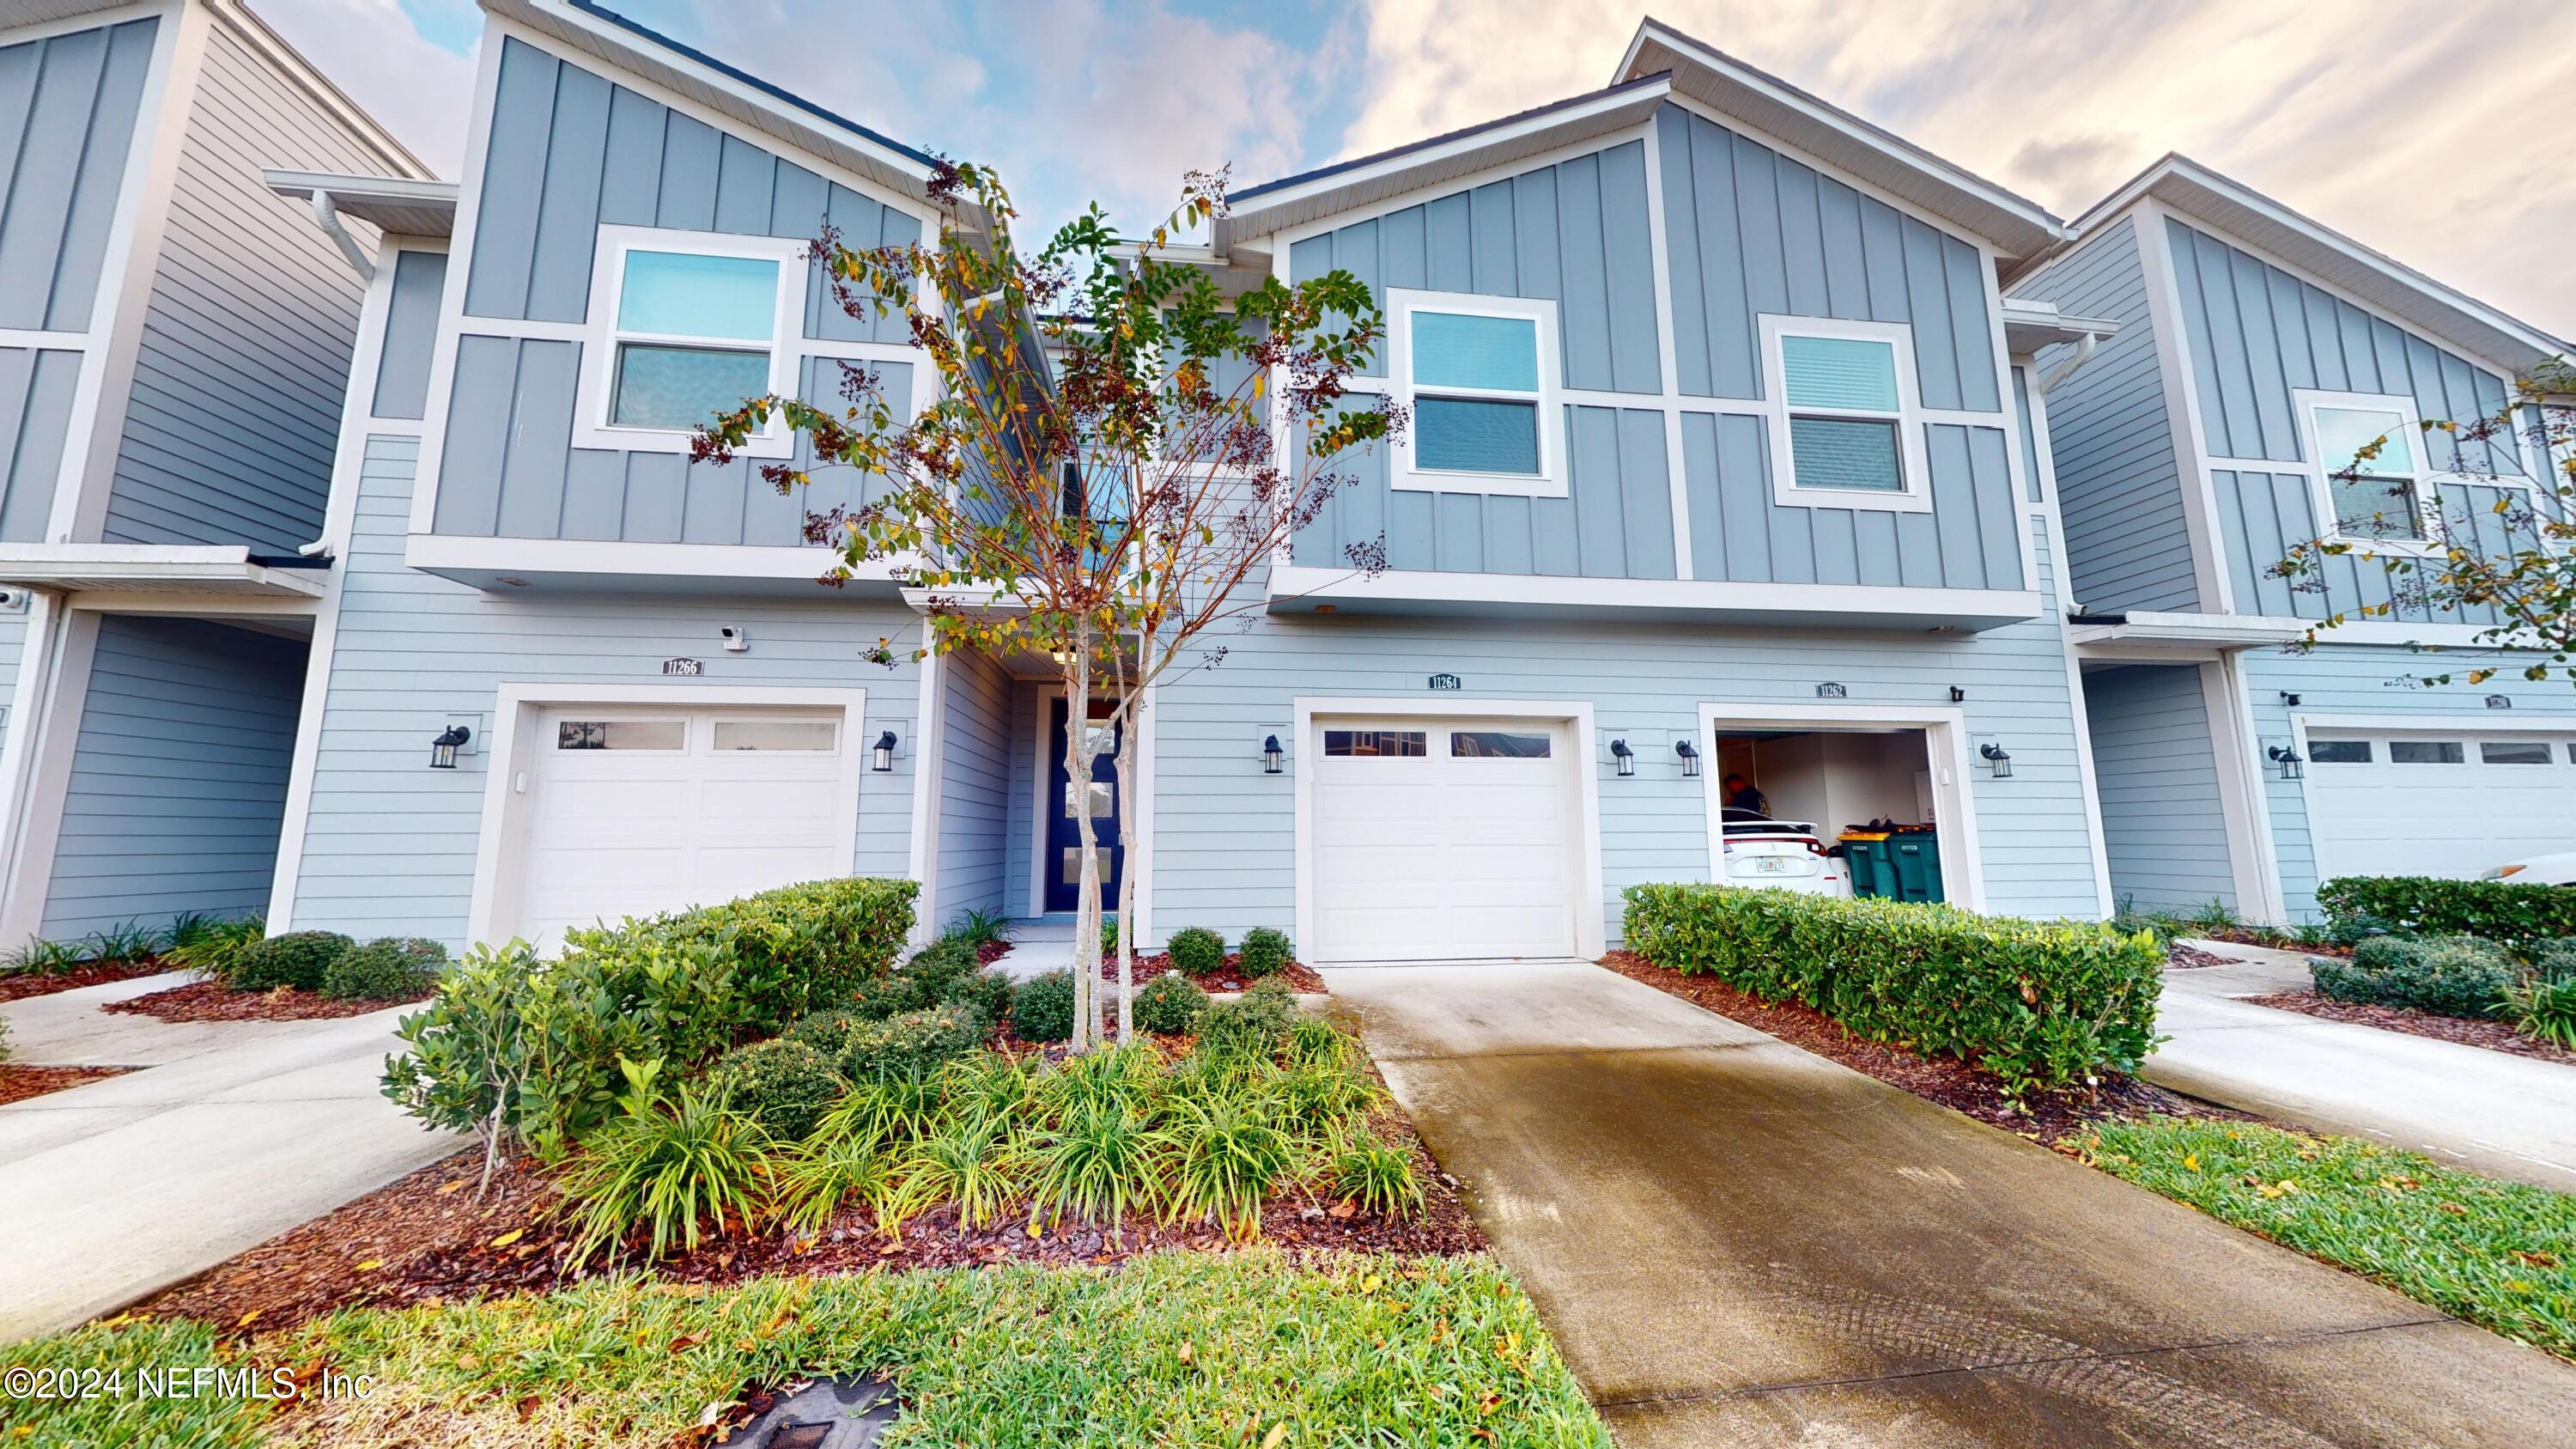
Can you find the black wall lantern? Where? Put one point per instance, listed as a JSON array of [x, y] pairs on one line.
[[1625, 757], [1271, 756], [883, 755], [1958, 695], [442, 750], [2292, 763], [1997, 757], [1690, 758]]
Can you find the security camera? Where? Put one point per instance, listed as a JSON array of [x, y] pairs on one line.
[[12, 600], [735, 639]]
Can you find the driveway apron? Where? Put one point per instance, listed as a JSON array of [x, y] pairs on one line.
[[1738, 1242]]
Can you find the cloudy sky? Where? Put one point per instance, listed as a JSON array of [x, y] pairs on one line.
[[2417, 126]]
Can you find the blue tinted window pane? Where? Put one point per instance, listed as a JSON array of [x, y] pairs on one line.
[[681, 387], [1450, 350], [1475, 435], [1845, 453], [680, 295], [2343, 434], [1839, 372]]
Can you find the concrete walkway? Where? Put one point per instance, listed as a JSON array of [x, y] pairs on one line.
[[235, 1132], [2486, 1111], [1737, 1242]]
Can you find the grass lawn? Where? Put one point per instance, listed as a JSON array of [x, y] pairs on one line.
[[1245, 1348], [2499, 1254]]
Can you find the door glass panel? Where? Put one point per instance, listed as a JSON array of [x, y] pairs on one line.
[[2339, 752], [1104, 799], [1498, 745], [2513, 752], [811, 736], [1409, 744], [2426, 752], [1071, 865], [620, 734]]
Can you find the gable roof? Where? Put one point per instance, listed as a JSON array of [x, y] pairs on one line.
[[771, 109], [2406, 295]]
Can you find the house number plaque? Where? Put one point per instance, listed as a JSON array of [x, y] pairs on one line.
[[1447, 681], [690, 667]]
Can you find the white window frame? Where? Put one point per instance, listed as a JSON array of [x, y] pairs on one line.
[[2304, 403], [1911, 457], [601, 336], [1408, 474]]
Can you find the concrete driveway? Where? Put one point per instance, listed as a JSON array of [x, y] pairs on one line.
[[2486, 1111], [233, 1133], [1737, 1242]]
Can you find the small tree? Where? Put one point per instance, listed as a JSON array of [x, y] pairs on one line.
[[1084, 488], [2530, 583]]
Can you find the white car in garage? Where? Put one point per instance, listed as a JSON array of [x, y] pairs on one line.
[[1785, 854], [2557, 870]]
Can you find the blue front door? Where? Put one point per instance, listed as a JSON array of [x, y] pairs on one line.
[[1063, 836]]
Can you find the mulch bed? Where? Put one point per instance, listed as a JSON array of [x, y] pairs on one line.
[[2495, 1036], [2277, 941], [1229, 977], [17, 1084], [2181, 957], [19, 985], [211, 1001], [2043, 1117]]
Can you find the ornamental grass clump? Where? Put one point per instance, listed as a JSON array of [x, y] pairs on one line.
[[2041, 1004], [2543, 1008], [675, 1170], [1379, 1177]]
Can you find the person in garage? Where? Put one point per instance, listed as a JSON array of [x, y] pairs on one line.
[[1740, 795]]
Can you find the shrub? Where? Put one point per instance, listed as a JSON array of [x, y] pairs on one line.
[[890, 995], [1042, 1007], [2040, 1004], [2553, 960], [987, 992], [390, 968], [1265, 952], [2449, 975], [1196, 950], [828, 1032], [298, 959], [940, 962], [2494, 909], [667, 1167], [2543, 1008], [915, 1041], [1253, 1025], [786, 952], [1169, 1004], [784, 1085]]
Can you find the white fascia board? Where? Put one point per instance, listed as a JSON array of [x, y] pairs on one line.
[[2030, 325], [1298, 588], [2221, 631], [199, 568], [394, 204], [583, 565]]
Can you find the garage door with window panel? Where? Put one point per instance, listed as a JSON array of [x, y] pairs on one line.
[[632, 812], [2435, 802], [1443, 839]]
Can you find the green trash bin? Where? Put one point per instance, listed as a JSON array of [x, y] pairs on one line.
[[1873, 870], [1915, 856]]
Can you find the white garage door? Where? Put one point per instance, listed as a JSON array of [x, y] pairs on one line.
[[1443, 838], [2441, 803], [631, 812]]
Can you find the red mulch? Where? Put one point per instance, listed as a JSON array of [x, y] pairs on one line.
[[212, 1001], [2495, 1036], [1229, 977], [2278, 941], [991, 951], [2180, 956], [19, 985], [2043, 1116], [17, 1084]]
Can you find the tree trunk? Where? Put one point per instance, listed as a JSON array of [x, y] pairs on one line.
[[1127, 733], [1077, 773]]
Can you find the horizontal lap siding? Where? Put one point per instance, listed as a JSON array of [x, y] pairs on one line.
[[390, 844], [2350, 679], [2161, 819], [36, 386], [178, 779], [2111, 440], [68, 108], [247, 339], [974, 786]]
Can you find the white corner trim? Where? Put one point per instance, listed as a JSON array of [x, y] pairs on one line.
[[1408, 474], [1945, 732], [2172, 341], [929, 774], [2241, 798], [2043, 466], [1916, 494], [50, 723], [1667, 357], [1591, 920], [515, 705]]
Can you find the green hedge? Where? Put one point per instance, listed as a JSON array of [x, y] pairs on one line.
[[2039, 1004], [2495, 909], [542, 1040]]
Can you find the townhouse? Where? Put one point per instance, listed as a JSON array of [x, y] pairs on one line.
[[174, 344], [2256, 351]]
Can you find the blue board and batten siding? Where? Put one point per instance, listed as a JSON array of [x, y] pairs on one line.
[[2163, 826], [2119, 495], [410, 335], [570, 152], [68, 108], [390, 844], [1747, 232], [234, 417], [178, 779]]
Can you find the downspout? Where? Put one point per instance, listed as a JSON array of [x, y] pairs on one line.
[[327, 216], [2048, 382]]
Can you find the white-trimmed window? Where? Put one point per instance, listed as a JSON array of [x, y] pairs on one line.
[[1480, 375], [684, 325], [1846, 420], [2367, 468]]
